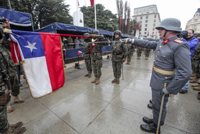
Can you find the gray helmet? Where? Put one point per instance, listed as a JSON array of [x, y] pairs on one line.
[[86, 34], [95, 32], [118, 32], [170, 24]]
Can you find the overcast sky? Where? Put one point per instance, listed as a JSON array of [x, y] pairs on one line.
[[180, 9]]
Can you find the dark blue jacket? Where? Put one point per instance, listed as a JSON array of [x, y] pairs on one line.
[[193, 42]]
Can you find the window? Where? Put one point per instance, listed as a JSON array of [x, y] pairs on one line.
[[153, 29], [154, 16], [154, 20], [146, 17], [152, 32], [145, 25], [154, 24], [141, 17], [145, 29], [146, 21], [195, 20], [145, 32]]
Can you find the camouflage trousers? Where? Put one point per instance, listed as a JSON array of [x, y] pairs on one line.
[[88, 65], [4, 125], [129, 57], [14, 85], [96, 65], [139, 52], [147, 52], [117, 66], [196, 67]]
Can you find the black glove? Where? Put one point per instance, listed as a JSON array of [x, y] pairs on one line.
[[164, 92]]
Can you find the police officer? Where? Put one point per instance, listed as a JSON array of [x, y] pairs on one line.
[[5, 52], [119, 52], [87, 55], [170, 54], [96, 56], [5, 127], [131, 50]]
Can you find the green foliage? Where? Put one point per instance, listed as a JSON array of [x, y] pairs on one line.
[[106, 20], [44, 12]]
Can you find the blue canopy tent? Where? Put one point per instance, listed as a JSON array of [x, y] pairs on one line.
[[18, 20]]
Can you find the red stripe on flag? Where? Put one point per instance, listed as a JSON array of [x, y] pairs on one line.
[[92, 2], [53, 54], [13, 55]]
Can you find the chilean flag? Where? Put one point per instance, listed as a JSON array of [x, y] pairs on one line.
[[43, 61], [79, 52]]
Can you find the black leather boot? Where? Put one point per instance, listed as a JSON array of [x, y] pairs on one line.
[[147, 120], [150, 106], [149, 128]]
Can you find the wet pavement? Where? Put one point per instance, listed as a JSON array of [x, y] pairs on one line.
[[81, 107]]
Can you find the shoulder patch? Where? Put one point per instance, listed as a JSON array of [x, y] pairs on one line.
[[178, 41]]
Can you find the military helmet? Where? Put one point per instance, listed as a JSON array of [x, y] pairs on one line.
[[170, 24], [86, 34], [118, 32], [1, 32], [95, 32]]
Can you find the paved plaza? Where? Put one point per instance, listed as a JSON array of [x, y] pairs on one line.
[[81, 107]]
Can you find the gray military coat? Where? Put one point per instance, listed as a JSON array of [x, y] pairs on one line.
[[170, 56]]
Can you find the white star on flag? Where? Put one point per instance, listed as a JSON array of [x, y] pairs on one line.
[[31, 46]]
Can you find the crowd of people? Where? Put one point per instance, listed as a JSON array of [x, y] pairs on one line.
[[177, 55]]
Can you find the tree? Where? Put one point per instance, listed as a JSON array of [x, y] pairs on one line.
[[44, 12], [106, 20]]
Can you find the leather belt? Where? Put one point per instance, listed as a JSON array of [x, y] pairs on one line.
[[163, 71], [96, 53]]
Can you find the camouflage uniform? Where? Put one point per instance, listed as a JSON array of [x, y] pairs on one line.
[[10, 66], [139, 51], [147, 51], [131, 50], [196, 61], [119, 52], [87, 55], [97, 57]]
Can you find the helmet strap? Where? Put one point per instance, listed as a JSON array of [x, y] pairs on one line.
[[164, 34]]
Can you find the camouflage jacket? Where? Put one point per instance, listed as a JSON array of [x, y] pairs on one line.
[[130, 48], [8, 63], [119, 50], [196, 54], [87, 49], [97, 49]]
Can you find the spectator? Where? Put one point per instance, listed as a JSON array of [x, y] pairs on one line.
[[81, 42], [70, 43], [76, 42], [192, 42], [108, 41], [65, 43]]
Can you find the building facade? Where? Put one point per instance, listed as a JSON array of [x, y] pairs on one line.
[[149, 18], [194, 23]]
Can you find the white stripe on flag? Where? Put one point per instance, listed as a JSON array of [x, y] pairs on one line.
[[40, 85]]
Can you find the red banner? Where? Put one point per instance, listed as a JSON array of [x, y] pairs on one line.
[[92, 2]]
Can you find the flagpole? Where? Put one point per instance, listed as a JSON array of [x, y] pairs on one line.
[[95, 14]]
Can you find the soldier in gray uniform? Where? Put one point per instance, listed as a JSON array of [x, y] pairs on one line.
[[170, 54]]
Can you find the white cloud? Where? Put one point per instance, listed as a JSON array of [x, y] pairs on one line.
[[182, 10]]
